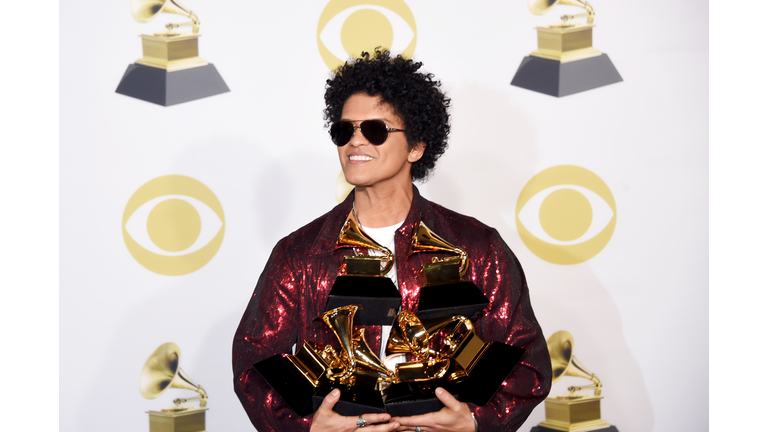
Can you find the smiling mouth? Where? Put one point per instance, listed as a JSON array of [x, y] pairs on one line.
[[360, 158]]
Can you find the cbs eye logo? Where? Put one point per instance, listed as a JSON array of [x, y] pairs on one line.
[[348, 27], [342, 188], [565, 214], [173, 225]]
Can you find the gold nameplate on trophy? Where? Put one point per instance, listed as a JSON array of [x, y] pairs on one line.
[[571, 412], [170, 52], [161, 372], [566, 44]]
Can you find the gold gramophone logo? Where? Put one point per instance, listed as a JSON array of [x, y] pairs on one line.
[[173, 225], [348, 27], [566, 214]]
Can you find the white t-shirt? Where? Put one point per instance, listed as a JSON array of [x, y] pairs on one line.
[[386, 237]]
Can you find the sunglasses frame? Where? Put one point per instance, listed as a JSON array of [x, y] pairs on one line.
[[355, 127]]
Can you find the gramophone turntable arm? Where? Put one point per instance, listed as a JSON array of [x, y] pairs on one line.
[[598, 386], [203, 398], [589, 14], [195, 23]]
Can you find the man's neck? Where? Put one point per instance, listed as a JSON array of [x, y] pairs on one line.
[[383, 207]]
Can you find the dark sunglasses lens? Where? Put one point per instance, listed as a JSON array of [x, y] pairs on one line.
[[375, 131], [341, 133]]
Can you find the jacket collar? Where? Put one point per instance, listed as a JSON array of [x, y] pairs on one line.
[[326, 239]]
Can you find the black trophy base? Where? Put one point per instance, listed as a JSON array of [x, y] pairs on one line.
[[170, 88], [377, 297], [546, 429], [562, 79], [444, 301], [304, 399], [406, 399], [288, 382], [489, 373]]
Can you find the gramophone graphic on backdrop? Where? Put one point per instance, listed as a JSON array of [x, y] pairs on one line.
[[572, 411], [162, 372], [170, 71], [565, 62]]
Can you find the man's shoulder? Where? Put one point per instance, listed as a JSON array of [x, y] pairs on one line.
[[309, 233]]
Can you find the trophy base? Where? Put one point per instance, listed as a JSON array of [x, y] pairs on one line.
[[405, 400], [560, 79], [377, 297], [288, 382], [573, 415], [438, 302], [546, 429], [192, 420], [488, 374], [166, 88]]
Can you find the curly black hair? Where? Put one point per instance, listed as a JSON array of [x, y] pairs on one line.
[[414, 96]]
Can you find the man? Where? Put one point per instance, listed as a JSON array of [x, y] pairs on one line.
[[390, 123]]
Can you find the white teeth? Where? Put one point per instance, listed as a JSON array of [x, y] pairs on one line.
[[360, 158]]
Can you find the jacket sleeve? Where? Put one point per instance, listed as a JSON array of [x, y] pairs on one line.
[[510, 319], [268, 327]]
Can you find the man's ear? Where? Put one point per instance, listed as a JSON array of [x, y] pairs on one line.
[[417, 152]]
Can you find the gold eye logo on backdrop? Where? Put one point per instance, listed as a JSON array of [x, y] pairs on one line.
[[342, 188], [348, 27], [566, 214], [173, 225]]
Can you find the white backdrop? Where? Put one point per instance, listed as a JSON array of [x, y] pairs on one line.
[[638, 309]]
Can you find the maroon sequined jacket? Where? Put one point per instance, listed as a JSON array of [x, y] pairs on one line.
[[293, 290]]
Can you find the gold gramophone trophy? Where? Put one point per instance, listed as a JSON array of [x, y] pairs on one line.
[[364, 280], [305, 378], [565, 61], [170, 70], [443, 292], [161, 372], [572, 411]]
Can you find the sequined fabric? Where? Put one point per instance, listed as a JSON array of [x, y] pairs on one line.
[[293, 290]]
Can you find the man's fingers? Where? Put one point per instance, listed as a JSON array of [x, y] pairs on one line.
[[330, 400], [447, 399], [413, 421], [375, 418], [388, 427]]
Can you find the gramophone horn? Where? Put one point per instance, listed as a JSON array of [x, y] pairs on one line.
[[340, 321], [365, 356], [147, 10], [564, 363], [408, 335], [425, 240], [161, 372], [352, 235], [540, 7]]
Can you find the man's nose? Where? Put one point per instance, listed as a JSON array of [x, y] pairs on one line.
[[358, 138]]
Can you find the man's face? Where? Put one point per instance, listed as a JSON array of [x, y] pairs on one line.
[[368, 165]]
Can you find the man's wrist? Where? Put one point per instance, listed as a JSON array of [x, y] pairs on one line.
[[474, 419]]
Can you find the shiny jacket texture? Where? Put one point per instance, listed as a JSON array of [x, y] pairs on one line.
[[294, 287]]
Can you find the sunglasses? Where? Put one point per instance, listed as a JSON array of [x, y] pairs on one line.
[[375, 131]]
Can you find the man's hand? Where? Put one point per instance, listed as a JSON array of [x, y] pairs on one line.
[[326, 419], [454, 417]]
